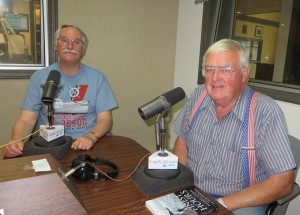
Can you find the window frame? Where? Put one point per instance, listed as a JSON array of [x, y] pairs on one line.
[[49, 26], [218, 23]]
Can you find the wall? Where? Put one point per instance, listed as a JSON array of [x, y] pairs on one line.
[[186, 68], [187, 51], [11, 94]]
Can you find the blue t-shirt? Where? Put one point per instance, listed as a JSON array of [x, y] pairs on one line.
[[79, 100]]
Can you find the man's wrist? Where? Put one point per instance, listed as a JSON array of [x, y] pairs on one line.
[[220, 200], [94, 135]]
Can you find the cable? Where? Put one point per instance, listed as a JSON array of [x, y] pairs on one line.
[[24, 137], [119, 180]]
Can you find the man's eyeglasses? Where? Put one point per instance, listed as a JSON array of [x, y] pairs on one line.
[[224, 71], [67, 41]]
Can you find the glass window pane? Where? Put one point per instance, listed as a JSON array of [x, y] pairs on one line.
[[18, 41], [26, 36], [270, 31]]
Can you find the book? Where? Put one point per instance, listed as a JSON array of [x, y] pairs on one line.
[[189, 201]]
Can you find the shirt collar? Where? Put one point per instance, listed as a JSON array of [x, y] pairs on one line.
[[239, 107]]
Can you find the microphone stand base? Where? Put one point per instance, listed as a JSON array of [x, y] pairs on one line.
[[57, 148], [166, 174], [40, 141], [157, 183]]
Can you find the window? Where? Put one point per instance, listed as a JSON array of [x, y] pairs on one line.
[[26, 36], [270, 31]]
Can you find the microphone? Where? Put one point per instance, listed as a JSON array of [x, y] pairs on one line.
[[162, 160], [163, 166], [49, 92], [52, 139], [51, 86], [161, 103]]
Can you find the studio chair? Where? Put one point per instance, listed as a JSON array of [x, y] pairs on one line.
[[280, 206]]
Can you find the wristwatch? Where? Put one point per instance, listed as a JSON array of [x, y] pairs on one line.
[[94, 134]]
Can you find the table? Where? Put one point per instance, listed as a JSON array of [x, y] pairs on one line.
[[103, 196], [110, 197]]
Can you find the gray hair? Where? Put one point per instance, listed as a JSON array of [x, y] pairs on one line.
[[84, 38], [225, 45]]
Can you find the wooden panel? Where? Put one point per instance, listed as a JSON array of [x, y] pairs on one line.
[[21, 188], [45, 194]]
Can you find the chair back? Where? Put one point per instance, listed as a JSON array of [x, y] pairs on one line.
[[280, 207], [295, 144]]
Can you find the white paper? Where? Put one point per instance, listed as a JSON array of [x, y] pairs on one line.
[[41, 165]]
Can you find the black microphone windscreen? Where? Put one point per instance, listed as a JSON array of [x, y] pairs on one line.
[[174, 96], [51, 87], [54, 76]]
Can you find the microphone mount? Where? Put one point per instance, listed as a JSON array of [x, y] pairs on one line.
[[160, 131], [50, 115]]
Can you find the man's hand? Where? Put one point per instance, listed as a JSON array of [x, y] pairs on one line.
[[13, 149], [83, 143], [23, 127], [103, 125]]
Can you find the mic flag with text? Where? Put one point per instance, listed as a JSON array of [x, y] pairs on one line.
[[161, 103], [51, 86]]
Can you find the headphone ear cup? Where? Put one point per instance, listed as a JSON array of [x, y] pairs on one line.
[[84, 173]]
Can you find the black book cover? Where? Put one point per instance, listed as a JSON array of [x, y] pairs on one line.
[[189, 201]]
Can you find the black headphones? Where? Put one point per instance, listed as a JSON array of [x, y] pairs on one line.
[[87, 171]]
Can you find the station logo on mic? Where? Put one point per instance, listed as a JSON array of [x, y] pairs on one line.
[[159, 161], [52, 133]]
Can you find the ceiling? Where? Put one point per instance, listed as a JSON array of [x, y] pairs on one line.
[[258, 6]]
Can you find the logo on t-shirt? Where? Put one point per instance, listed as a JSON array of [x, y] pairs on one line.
[[77, 93]]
